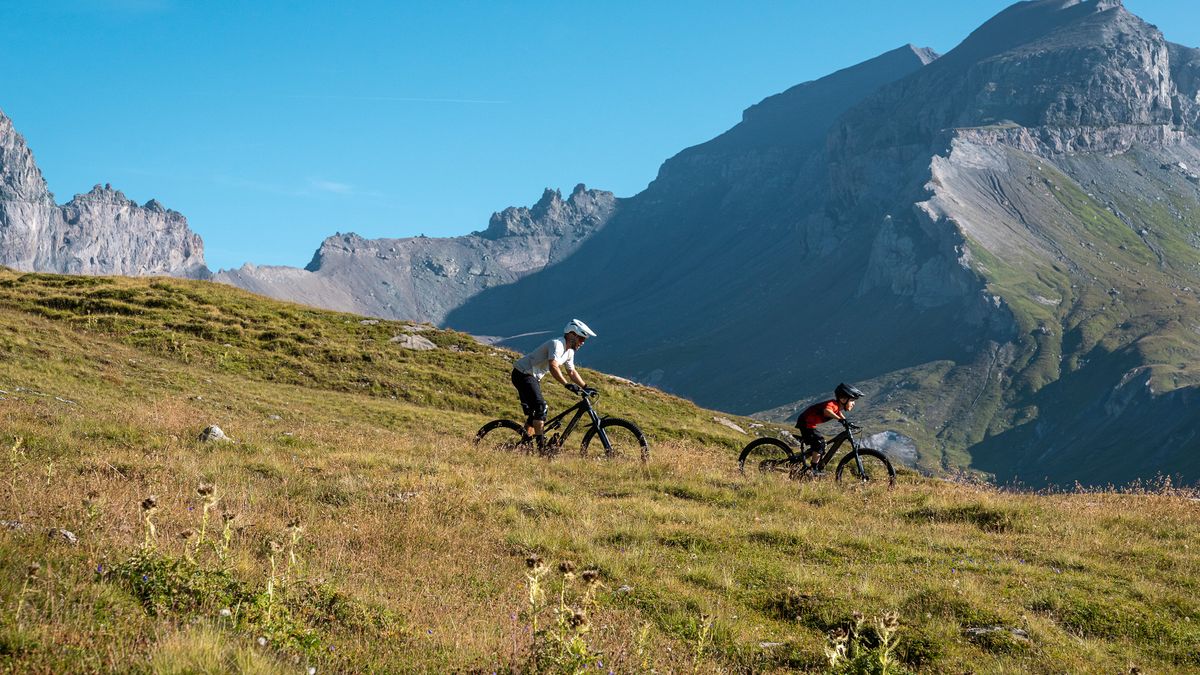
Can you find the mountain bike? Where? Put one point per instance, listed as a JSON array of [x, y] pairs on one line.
[[771, 455], [618, 438]]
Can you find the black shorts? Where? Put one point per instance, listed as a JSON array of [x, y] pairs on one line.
[[530, 392], [814, 439]]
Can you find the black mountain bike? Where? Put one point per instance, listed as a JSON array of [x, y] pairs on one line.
[[771, 455], [618, 437]]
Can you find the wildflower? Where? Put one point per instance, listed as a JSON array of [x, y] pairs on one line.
[[312, 670], [225, 612], [33, 570], [150, 504], [838, 635], [858, 617], [262, 641], [590, 577]]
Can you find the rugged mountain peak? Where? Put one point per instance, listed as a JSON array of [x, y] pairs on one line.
[[423, 278], [20, 177], [100, 232], [924, 54], [581, 212], [1066, 66]]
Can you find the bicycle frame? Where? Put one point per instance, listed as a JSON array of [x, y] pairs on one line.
[[584, 407], [831, 448]]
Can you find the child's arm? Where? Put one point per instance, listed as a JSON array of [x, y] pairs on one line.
[[832, 415]]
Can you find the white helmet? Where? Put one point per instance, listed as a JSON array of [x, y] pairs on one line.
[[579, 328]]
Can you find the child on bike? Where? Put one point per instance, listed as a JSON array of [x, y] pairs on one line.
[[844, 397]]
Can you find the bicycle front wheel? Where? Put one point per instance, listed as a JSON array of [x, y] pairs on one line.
[[875, 468], [766, 455], [626, 440], [504, 435]]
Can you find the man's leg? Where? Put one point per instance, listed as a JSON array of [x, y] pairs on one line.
[[534, 427]]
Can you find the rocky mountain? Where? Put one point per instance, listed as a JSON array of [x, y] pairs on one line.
[[100, 232], [422, 278], [1001, 245]]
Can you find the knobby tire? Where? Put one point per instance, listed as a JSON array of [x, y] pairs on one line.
[[626, 438], [876, 468], [505, 435], [767, 455]]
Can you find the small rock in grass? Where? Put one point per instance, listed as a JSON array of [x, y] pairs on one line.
[[65, 535], [369, 322], [726, 422], [274, 418], [12, 524], [625, 590], [213, 434], [414, 342]]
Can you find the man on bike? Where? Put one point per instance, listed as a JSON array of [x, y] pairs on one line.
[[844, 397], [553, 356]]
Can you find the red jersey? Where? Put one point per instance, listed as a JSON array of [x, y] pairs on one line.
[[815, 414]]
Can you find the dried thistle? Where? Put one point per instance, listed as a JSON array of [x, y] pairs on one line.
[[149, 506], [275, 546], [535, 563], [566, 567], [890, 621], [32, 571], [187, 534], [295, 525], [578, 620], [205, 490], [590, 577]]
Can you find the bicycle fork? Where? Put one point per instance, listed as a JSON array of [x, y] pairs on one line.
[[600, 432]]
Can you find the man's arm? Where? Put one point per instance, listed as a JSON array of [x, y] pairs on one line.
[[578, 380], [557, 372]]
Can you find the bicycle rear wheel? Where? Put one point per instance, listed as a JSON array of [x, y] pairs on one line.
[[767, 455], [626, 439], [875, 468], [504, 435]]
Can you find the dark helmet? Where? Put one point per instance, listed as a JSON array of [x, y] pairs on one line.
[[847, 391]]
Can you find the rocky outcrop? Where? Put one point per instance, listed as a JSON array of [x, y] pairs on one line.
[[423, 278], [100, 232]]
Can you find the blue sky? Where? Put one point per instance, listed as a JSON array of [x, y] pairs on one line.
[[272, 124]]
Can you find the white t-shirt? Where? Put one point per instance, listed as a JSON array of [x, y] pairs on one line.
[[537, 362]]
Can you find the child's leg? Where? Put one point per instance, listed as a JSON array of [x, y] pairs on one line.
[[816, 445]]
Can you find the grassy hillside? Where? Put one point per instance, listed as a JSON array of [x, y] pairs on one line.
[[352, 526]]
